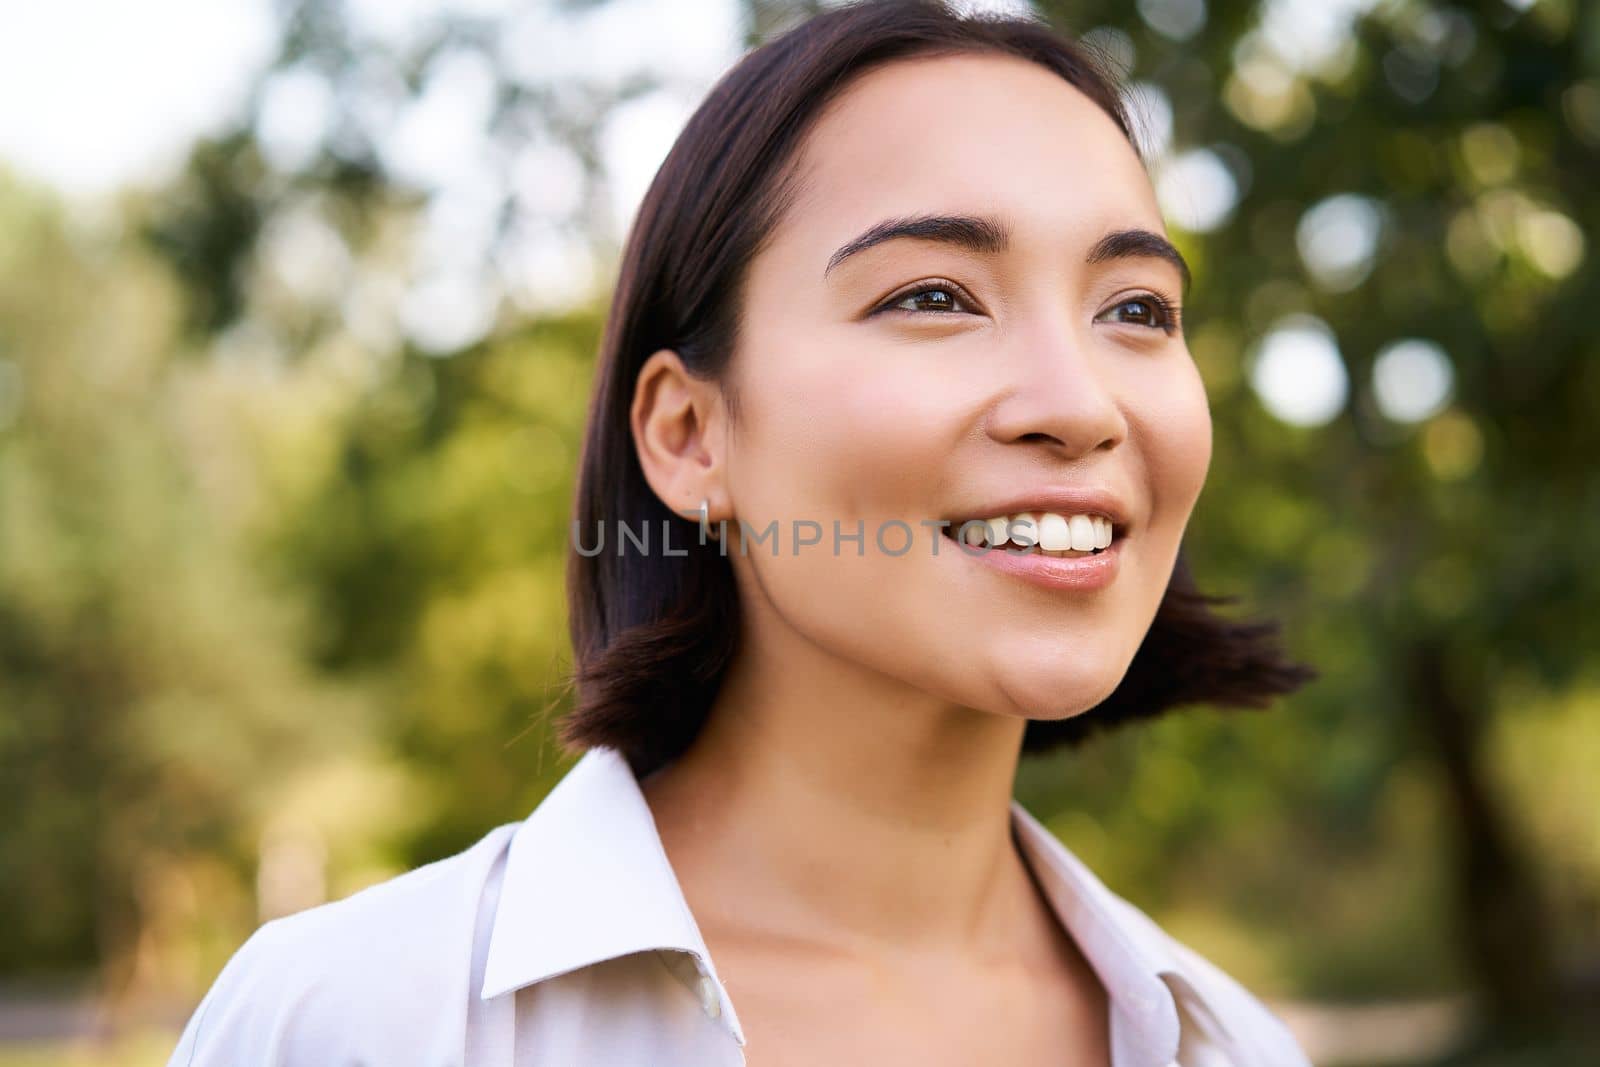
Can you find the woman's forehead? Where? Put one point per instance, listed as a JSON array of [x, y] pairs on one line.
[[995, 134]]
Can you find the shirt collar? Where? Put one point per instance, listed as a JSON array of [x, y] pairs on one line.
[[1132, 956], [587, 880]]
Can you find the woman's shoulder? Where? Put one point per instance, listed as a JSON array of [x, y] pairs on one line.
[[376, 977]]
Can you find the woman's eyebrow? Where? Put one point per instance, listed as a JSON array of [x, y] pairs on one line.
[[1119, 244], [987, 235], [982, 234]]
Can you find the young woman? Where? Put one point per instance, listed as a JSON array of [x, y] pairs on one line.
[[892, 448]]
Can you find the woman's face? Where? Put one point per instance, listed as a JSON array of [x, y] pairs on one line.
[[1027, 369]]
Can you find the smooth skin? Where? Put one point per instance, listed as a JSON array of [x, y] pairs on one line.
[[841, 826]]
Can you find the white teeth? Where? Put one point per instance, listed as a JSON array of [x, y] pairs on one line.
[[1024, 529], [1050, 531], [1055, 532], [1084, 535]]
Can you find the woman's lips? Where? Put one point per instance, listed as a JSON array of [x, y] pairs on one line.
[[1084, 573]]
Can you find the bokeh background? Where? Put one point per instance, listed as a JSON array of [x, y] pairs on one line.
[[298, 310]]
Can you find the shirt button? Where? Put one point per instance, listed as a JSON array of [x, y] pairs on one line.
[[708, 996]]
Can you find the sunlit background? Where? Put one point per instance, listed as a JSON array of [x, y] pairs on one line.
[[298, 309]]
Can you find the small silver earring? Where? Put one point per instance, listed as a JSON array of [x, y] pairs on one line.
[[705, 514]]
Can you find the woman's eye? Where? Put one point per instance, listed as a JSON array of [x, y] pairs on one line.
[[1149, 310], [937, 298]]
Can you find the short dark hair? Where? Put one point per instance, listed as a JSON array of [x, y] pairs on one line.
[[652, 634]]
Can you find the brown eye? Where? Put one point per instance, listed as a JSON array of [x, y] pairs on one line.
[[939, 298], [1149, 310]]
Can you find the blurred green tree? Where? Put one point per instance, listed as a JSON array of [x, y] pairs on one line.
[[151, 688]]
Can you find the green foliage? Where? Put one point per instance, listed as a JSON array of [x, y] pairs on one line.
[[433, 543], [150, 695]]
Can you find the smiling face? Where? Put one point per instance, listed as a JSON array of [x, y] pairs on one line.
[[1037, 358]]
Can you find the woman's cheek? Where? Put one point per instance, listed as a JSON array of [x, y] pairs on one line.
[[1176, 436], [878, 436], [1197, 431]]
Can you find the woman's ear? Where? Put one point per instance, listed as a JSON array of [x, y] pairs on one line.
[[677, 422]]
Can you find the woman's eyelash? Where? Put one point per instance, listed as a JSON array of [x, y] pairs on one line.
[[1167, 314], [932, 286]]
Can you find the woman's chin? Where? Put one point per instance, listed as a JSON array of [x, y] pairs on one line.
[[1052, 696]]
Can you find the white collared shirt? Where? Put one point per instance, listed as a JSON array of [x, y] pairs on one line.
[[566, 940]]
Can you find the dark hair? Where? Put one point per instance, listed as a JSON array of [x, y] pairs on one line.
[[651, 634]]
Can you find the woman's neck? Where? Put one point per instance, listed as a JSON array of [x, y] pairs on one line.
[[826, 805]]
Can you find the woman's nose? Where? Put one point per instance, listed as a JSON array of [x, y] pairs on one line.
[[1057, 392]]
